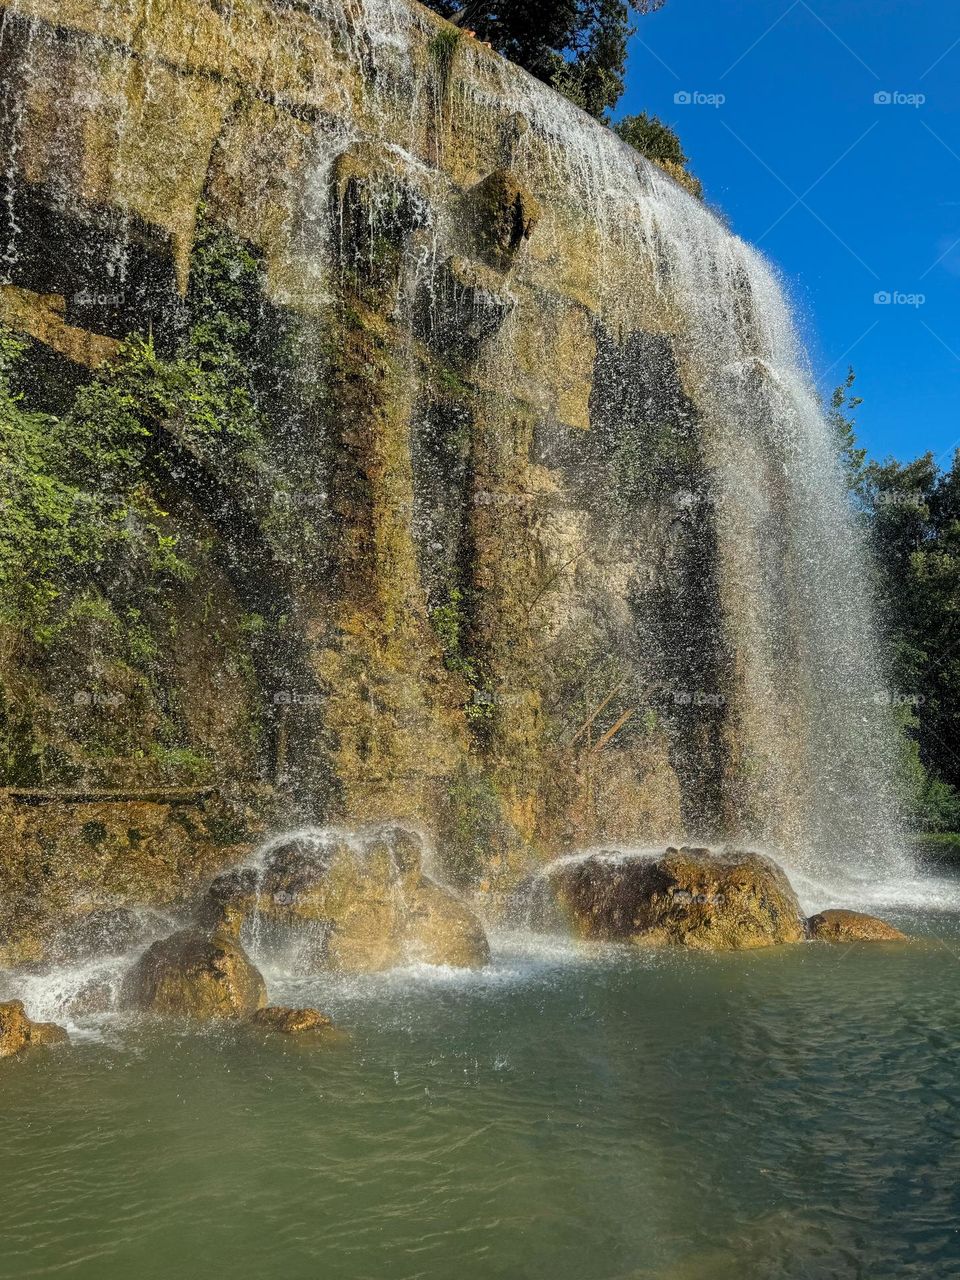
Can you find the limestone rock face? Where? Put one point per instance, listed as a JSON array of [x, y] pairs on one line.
[[195, 975], [292, 1022], [688, 897], [851, 926], [18, 1032], [352, 905]]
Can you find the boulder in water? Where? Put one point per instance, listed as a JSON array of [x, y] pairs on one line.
[[292, 1022], [18, 1032], [197, 975], [688, 897], [851, 926], [354, 905]]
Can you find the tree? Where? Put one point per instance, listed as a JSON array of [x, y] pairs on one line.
[[911, 514], [843, 405], [577, 46]]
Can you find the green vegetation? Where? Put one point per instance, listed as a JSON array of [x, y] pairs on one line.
[[88, 555], [577, 46], [80, 518], [912, 515], [450, 623], [443, 50]]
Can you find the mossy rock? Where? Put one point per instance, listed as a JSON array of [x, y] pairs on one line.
[[354, 906], [292, 1022], [687, 898], [851, 926], [503, 214], [18, 1032], [193, 974]]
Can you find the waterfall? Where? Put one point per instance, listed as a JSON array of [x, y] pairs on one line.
[[614, 325]]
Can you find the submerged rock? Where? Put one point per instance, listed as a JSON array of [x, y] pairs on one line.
[[196, 975], [292, 1022], [18, 1032], [851, 926], [688, 897], [355, 906]]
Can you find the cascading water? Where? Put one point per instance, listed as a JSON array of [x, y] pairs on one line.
[[815, 750], [599, 318]]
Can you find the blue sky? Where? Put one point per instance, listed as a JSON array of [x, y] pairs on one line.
[[878, 182]]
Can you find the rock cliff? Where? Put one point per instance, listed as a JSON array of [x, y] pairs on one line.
[[527, 456]]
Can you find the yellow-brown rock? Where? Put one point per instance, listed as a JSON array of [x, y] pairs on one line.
[[693, 898], [353, 906], [192, 974], [292, 1022], [18, 1032], [851, 926]]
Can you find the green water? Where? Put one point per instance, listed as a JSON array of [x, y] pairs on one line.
[[791, 1113]]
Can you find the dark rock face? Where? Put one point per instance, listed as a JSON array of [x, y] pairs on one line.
[[18, 1032], [688, 897], [352, 907], [195, 975], [292, 1022], [851, 926]]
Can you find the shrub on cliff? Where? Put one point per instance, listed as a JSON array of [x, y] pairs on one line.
[[577, 46], [657, 141], [80, 517]]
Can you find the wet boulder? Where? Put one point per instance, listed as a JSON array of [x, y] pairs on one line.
[[354, 905], [18, 1032], [292, 1022], [195, 974], [851, 926], [688, 897]]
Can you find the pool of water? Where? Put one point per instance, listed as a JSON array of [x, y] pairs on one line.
[[569, 1115]]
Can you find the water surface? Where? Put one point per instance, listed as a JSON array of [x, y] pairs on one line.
[[568, 1115]]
